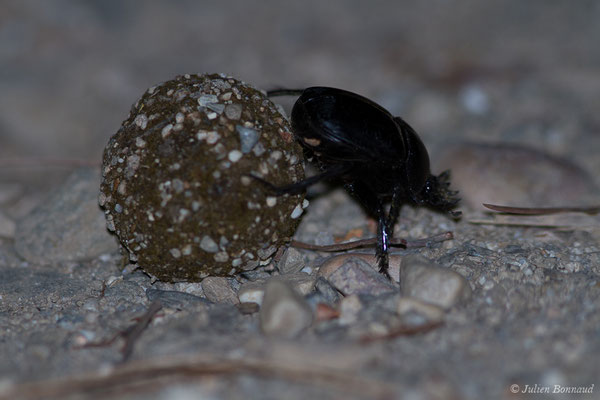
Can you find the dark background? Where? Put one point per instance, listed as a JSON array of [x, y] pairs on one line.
[[518, 71]]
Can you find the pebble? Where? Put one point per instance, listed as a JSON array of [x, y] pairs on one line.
[[68, 226], [253, 292], [284, 312], [175, 300], [509, 174], [292, 261], [328, 292], [218, 290], [432, 284], [333, 263], [357, 276], [416, 312], [233, 111], [350, 306]]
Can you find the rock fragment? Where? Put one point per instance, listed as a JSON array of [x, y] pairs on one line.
[[218, 290], [254, 291], [357, 276], [423, 280], [291, 261], [284, 313]]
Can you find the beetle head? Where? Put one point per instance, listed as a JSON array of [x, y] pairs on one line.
[[437, 195]]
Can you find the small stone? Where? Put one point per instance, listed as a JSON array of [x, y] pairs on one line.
[[254, 291], [271, 201], [251, 292], [301, 282], [218, 290], [292, 261], [218, 108], [176, 300], [284, 312], [327, 292], [207, 99], [433, 284], [233, 111], [357, 276], [350, 306], [234, 155], [333, 263], [209, 245], [248, 138], [296, 212], [416, 312], [141, 120]]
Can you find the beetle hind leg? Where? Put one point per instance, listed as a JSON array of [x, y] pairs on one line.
[[383, 244]]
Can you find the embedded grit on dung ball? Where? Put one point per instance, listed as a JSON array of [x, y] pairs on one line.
[[175, 185]]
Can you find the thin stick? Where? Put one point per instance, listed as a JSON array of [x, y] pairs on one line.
[[144, 376], [132, 334], [408, 244], [402, 331], [541, 210]]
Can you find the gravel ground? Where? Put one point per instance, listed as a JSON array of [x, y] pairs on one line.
[[503, 92]]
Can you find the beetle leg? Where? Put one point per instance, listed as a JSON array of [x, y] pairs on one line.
[[373, 205], [383, 245], [299, 187], [394, 212], [284, 92]]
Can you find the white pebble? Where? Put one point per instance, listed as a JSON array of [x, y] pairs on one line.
[[234, 155], [141, 121], [297, 212], [208, 245], [166, 130], [271, 201]]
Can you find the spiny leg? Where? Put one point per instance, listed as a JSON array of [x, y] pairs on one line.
[[383, 244], [375, 207], [298, 187], [394, 212]]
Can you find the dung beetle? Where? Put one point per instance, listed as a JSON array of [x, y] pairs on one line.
[[379, 158]]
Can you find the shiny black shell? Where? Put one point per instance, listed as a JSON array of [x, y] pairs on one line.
[[337, 126]]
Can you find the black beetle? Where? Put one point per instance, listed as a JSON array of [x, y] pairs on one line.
[[377, 156]]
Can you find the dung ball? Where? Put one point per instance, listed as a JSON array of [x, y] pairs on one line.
[[176, 185]]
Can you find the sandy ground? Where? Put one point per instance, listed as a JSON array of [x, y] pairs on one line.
[[522, 73]]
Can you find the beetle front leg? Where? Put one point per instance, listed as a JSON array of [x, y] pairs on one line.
[[298, 187]]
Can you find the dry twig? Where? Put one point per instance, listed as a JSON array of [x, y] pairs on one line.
[[406, 243]]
